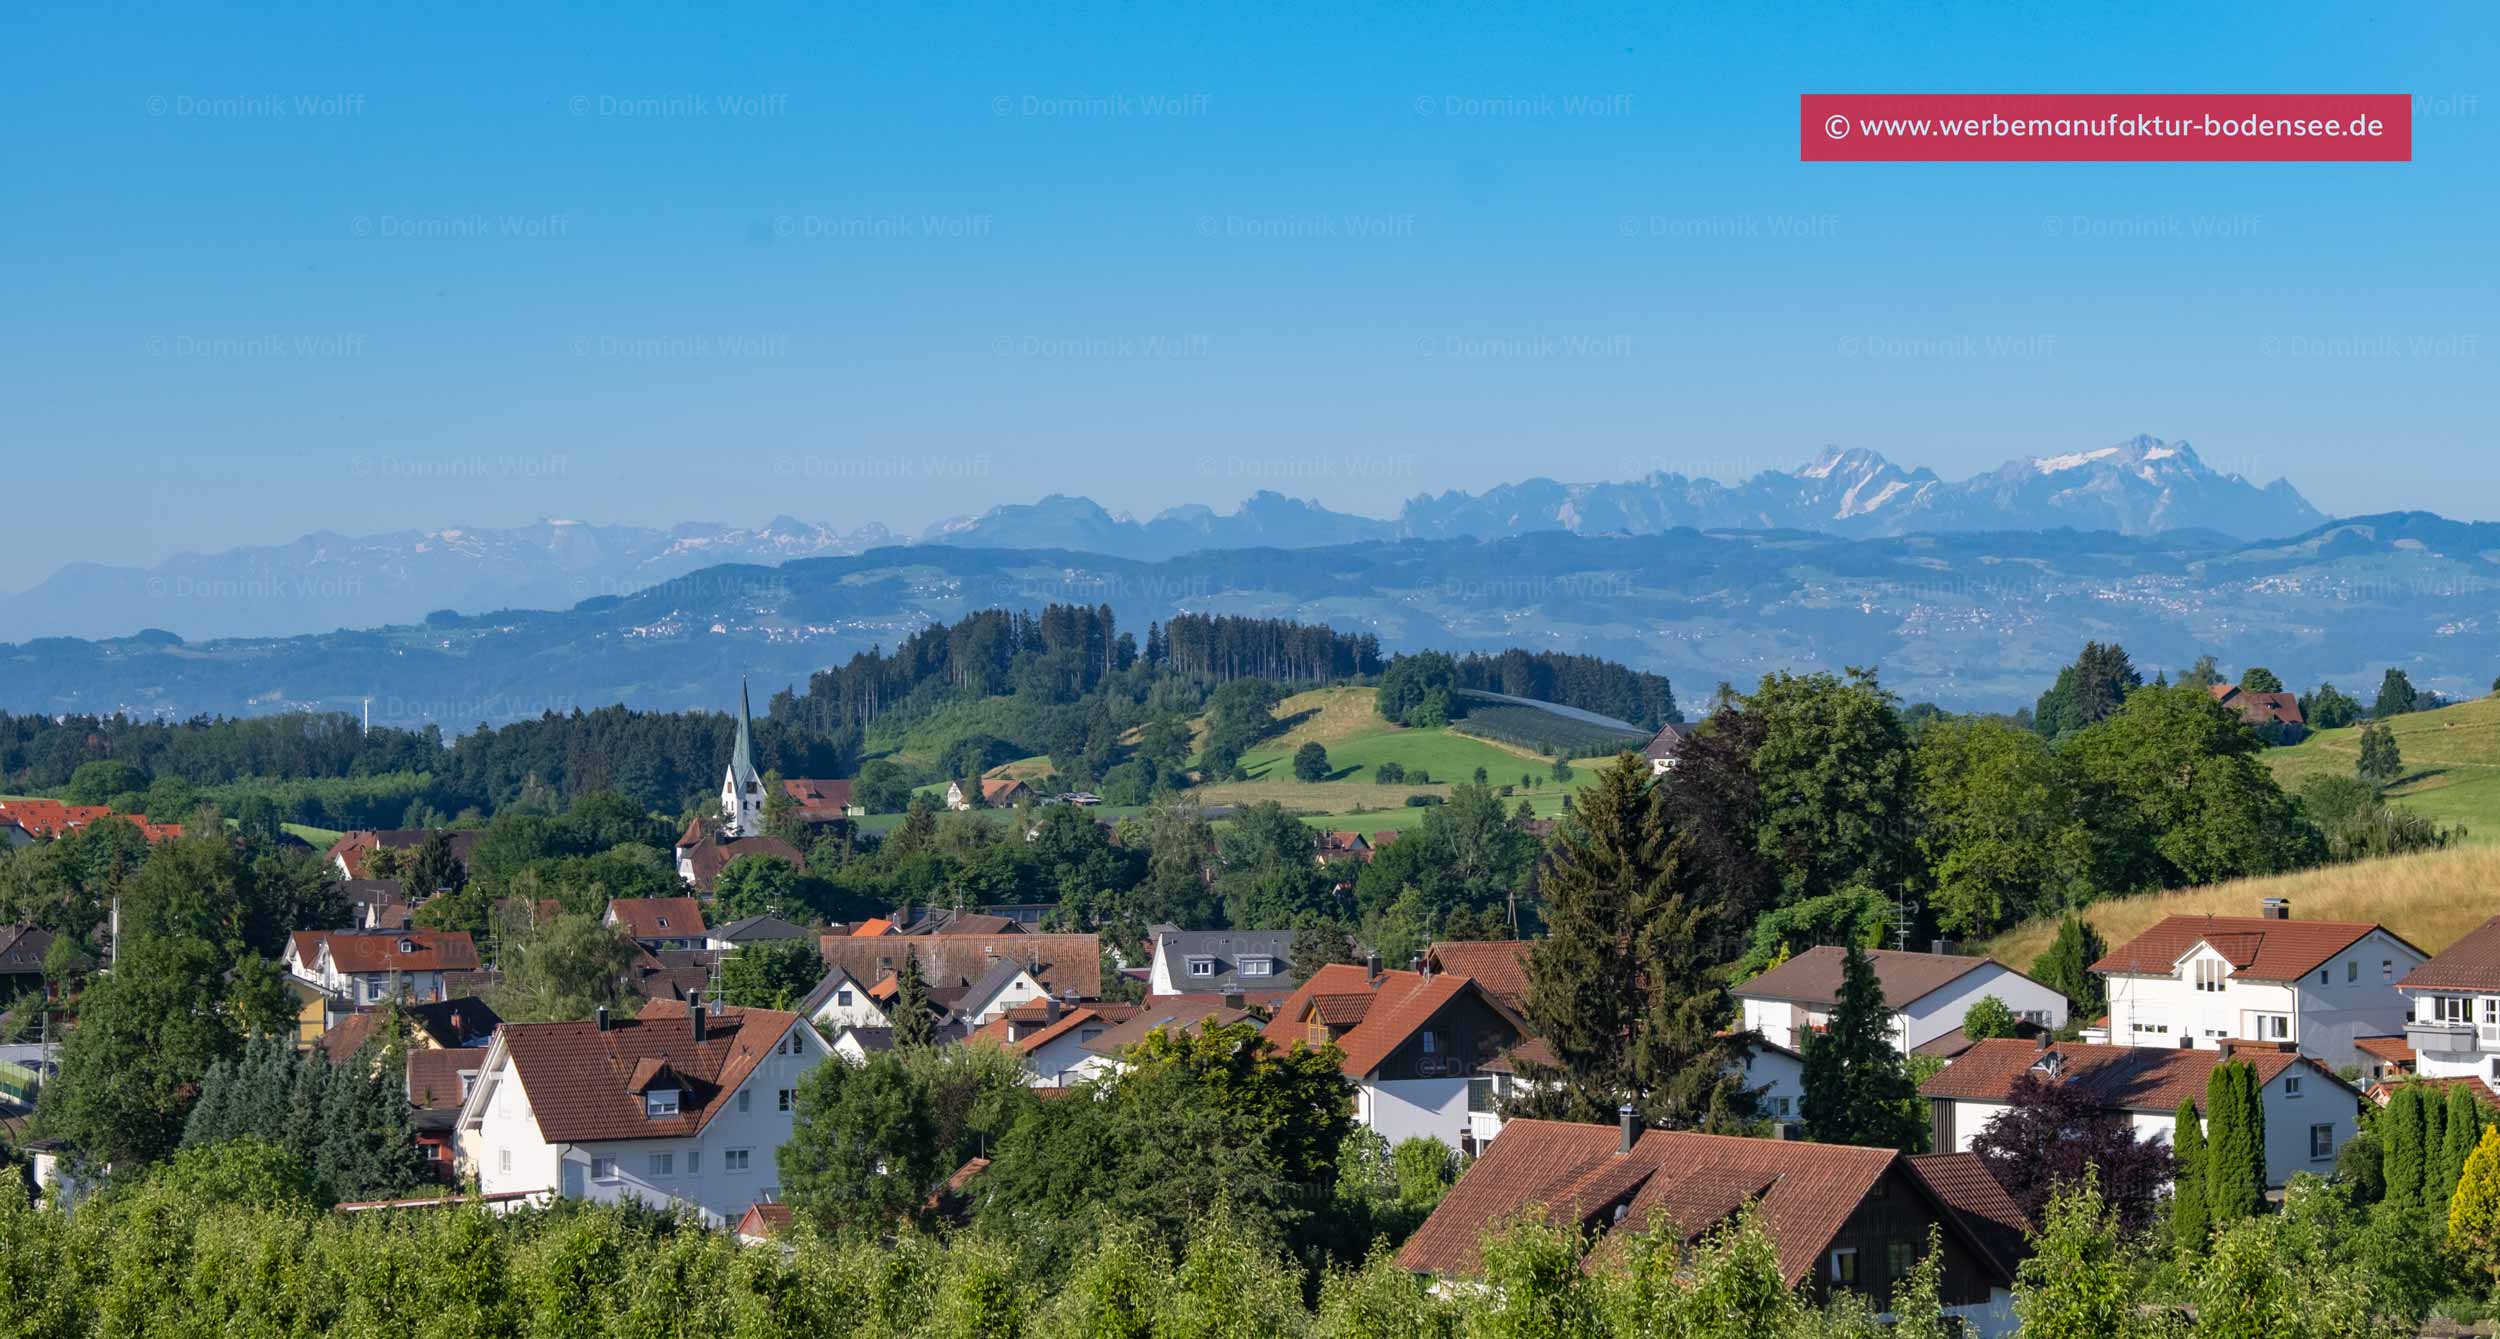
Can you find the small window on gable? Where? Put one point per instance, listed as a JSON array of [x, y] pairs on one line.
[[2322, 976], [2352, 969], [2291, 1085], [659, 1102], [843, 997], [1844, 1265], [2387, 969]]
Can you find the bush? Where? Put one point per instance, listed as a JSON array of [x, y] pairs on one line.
[[1389, 773], [1422, 801], [1310, 762]]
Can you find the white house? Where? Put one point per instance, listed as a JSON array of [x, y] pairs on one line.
[[672, 1108], [840, 1002], [1781, 1075], [1214, 961], [2309, 1112], [1665, 747], [2452, 1009], [2202, 980], [364, 967], [1054, 1039], [660, 923], [1928, 994], [1416, 1045]]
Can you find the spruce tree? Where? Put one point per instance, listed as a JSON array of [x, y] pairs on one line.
[[2234, 1158], [1609, 860], [2400, 1143], [2461, 1130], [2190, 1224], [2065, 966], [910, 1012], [1857, 1087], [1688, 1068]]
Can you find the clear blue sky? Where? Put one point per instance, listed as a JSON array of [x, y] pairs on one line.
[[629, 264]]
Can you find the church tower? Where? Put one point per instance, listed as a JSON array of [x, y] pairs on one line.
[[742, 791]]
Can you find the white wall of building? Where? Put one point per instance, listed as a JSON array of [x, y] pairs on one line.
[[1398, 1109], [2290, 1117], [836, 1014], [1941, 1010], [2352, 995], [1782, 1078]]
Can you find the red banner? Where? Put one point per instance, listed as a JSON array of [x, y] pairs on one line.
[[2105, 127]]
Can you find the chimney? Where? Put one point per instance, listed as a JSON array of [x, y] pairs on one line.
[[702, 1023], [1371, 965], [1234, 999], [2044, 1039], [1416, 964], [1629, 1118], [2277, 909], [1050, 1010], [602, 1017], [1936, 947]]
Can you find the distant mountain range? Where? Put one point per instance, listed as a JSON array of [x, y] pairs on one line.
[[326, 581], [1967, 619]]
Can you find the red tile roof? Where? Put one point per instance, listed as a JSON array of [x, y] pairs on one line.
[[2471, 963], [352, 848], [2258, 708], [1385, 1011], [764, 1220], [2381, 1091], [368, 951], [2393, 1050], [579, 1079], [1499, 965], [1062, 963], [2258, 948], [53, 819], [708, 856], [658, 917], [1963, 1185], [819, 800], [434, 1077], [1575, 1175], [2121, 1078]]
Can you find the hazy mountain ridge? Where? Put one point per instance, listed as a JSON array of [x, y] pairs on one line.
[[1976, 619], [2142, 486]]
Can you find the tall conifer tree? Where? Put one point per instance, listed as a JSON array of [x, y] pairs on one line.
[[2461, 1130], [2235, 1149], [2400, 1144], [1857, 1086], [2189, 1222], [1608, 860], [911, 1003]]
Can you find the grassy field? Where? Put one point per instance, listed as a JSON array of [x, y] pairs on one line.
[[2451, 763], [2430, 899]]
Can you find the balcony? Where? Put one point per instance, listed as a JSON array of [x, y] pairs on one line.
[[2443, 1039], [1484, 1125]]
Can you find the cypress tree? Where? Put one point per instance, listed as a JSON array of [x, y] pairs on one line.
[[1857, 1087], [2066, 966], [2400, 1143], [1609, 860], [2234, 1157], [2434, 1148], [910, 1015], [2190, 1224], [2461, 1130]]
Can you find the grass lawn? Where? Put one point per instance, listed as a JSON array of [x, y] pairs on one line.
[[2451, 763], [2430, 899]]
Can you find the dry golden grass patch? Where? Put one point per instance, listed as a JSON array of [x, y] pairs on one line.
[[2429, 899], [1325, 797]]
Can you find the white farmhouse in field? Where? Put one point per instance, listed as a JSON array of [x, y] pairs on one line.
[[2199, 981], [675, 1109], [1928, 994]]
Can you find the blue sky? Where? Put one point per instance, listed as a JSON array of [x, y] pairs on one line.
[[275, 269]]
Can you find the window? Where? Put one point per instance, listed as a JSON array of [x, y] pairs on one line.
[[1779, 1106], [735, 1159], [2322, 976], [603, 1169], [1480, 1094], [1258, 967], [781, 1100], [2387, 969], [468, 1083], [2450, 1009], [843, 997], [2291, 1085], [1430, 1042], [694, 1162], [2209, 973], [659, 1102], [503, 1160], [2273, 1027], [1900, 1257], [1315, 1033], [1845, 1265], [1202, 966], [663, 1164], [2352, 970], [2321, 1142], [789, 1045], [663, 922]]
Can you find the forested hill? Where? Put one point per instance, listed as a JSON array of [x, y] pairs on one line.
[[1966, 620]]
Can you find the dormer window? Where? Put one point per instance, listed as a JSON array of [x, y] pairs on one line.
[[659, 1102], [663, 922], [1202, 966], [1258, 967], [407, 946], [2049, 1064], [2209, 974]]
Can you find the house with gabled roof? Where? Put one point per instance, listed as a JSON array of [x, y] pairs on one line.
[[814, 801], [1210, 962], [2309, 1111], [674, 1108], [351, 852], [997, 792], [1415, 1045], [1928, 994], [2195, 980], [839, 1001], [1841, 1218], [1052, 1038], [2452, 1012], [753, 930], [1174, 1013], [1665, 747], [2258, 709], [1498, 965], [1065, 965], [361, 968], [659, 923], [704, 849]]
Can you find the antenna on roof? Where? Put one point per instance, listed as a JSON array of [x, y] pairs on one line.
[[1904, 919]]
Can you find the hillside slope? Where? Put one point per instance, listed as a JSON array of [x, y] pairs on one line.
[[2429, 899], [2451, 763]]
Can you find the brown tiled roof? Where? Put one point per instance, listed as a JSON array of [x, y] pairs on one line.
[[1000, 788], [1813, 977], [1060, 962], [434, 1077], [367, 951], [705, 859], [2471, 963], [818, 799], [352, 847], [658, 917], [1574, 1173], [2121, 1078], [1386, 1010], [1174, 1012], [1961, 1183], [764, 1220], [579, 1078], [53, 819], [2258, 948], [1668, 742], [1100, 1015], [2258, 708], [2383, 1090], [2393, 1050], [1499, 965]]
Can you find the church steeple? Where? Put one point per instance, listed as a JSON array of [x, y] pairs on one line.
[[742, 791]]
